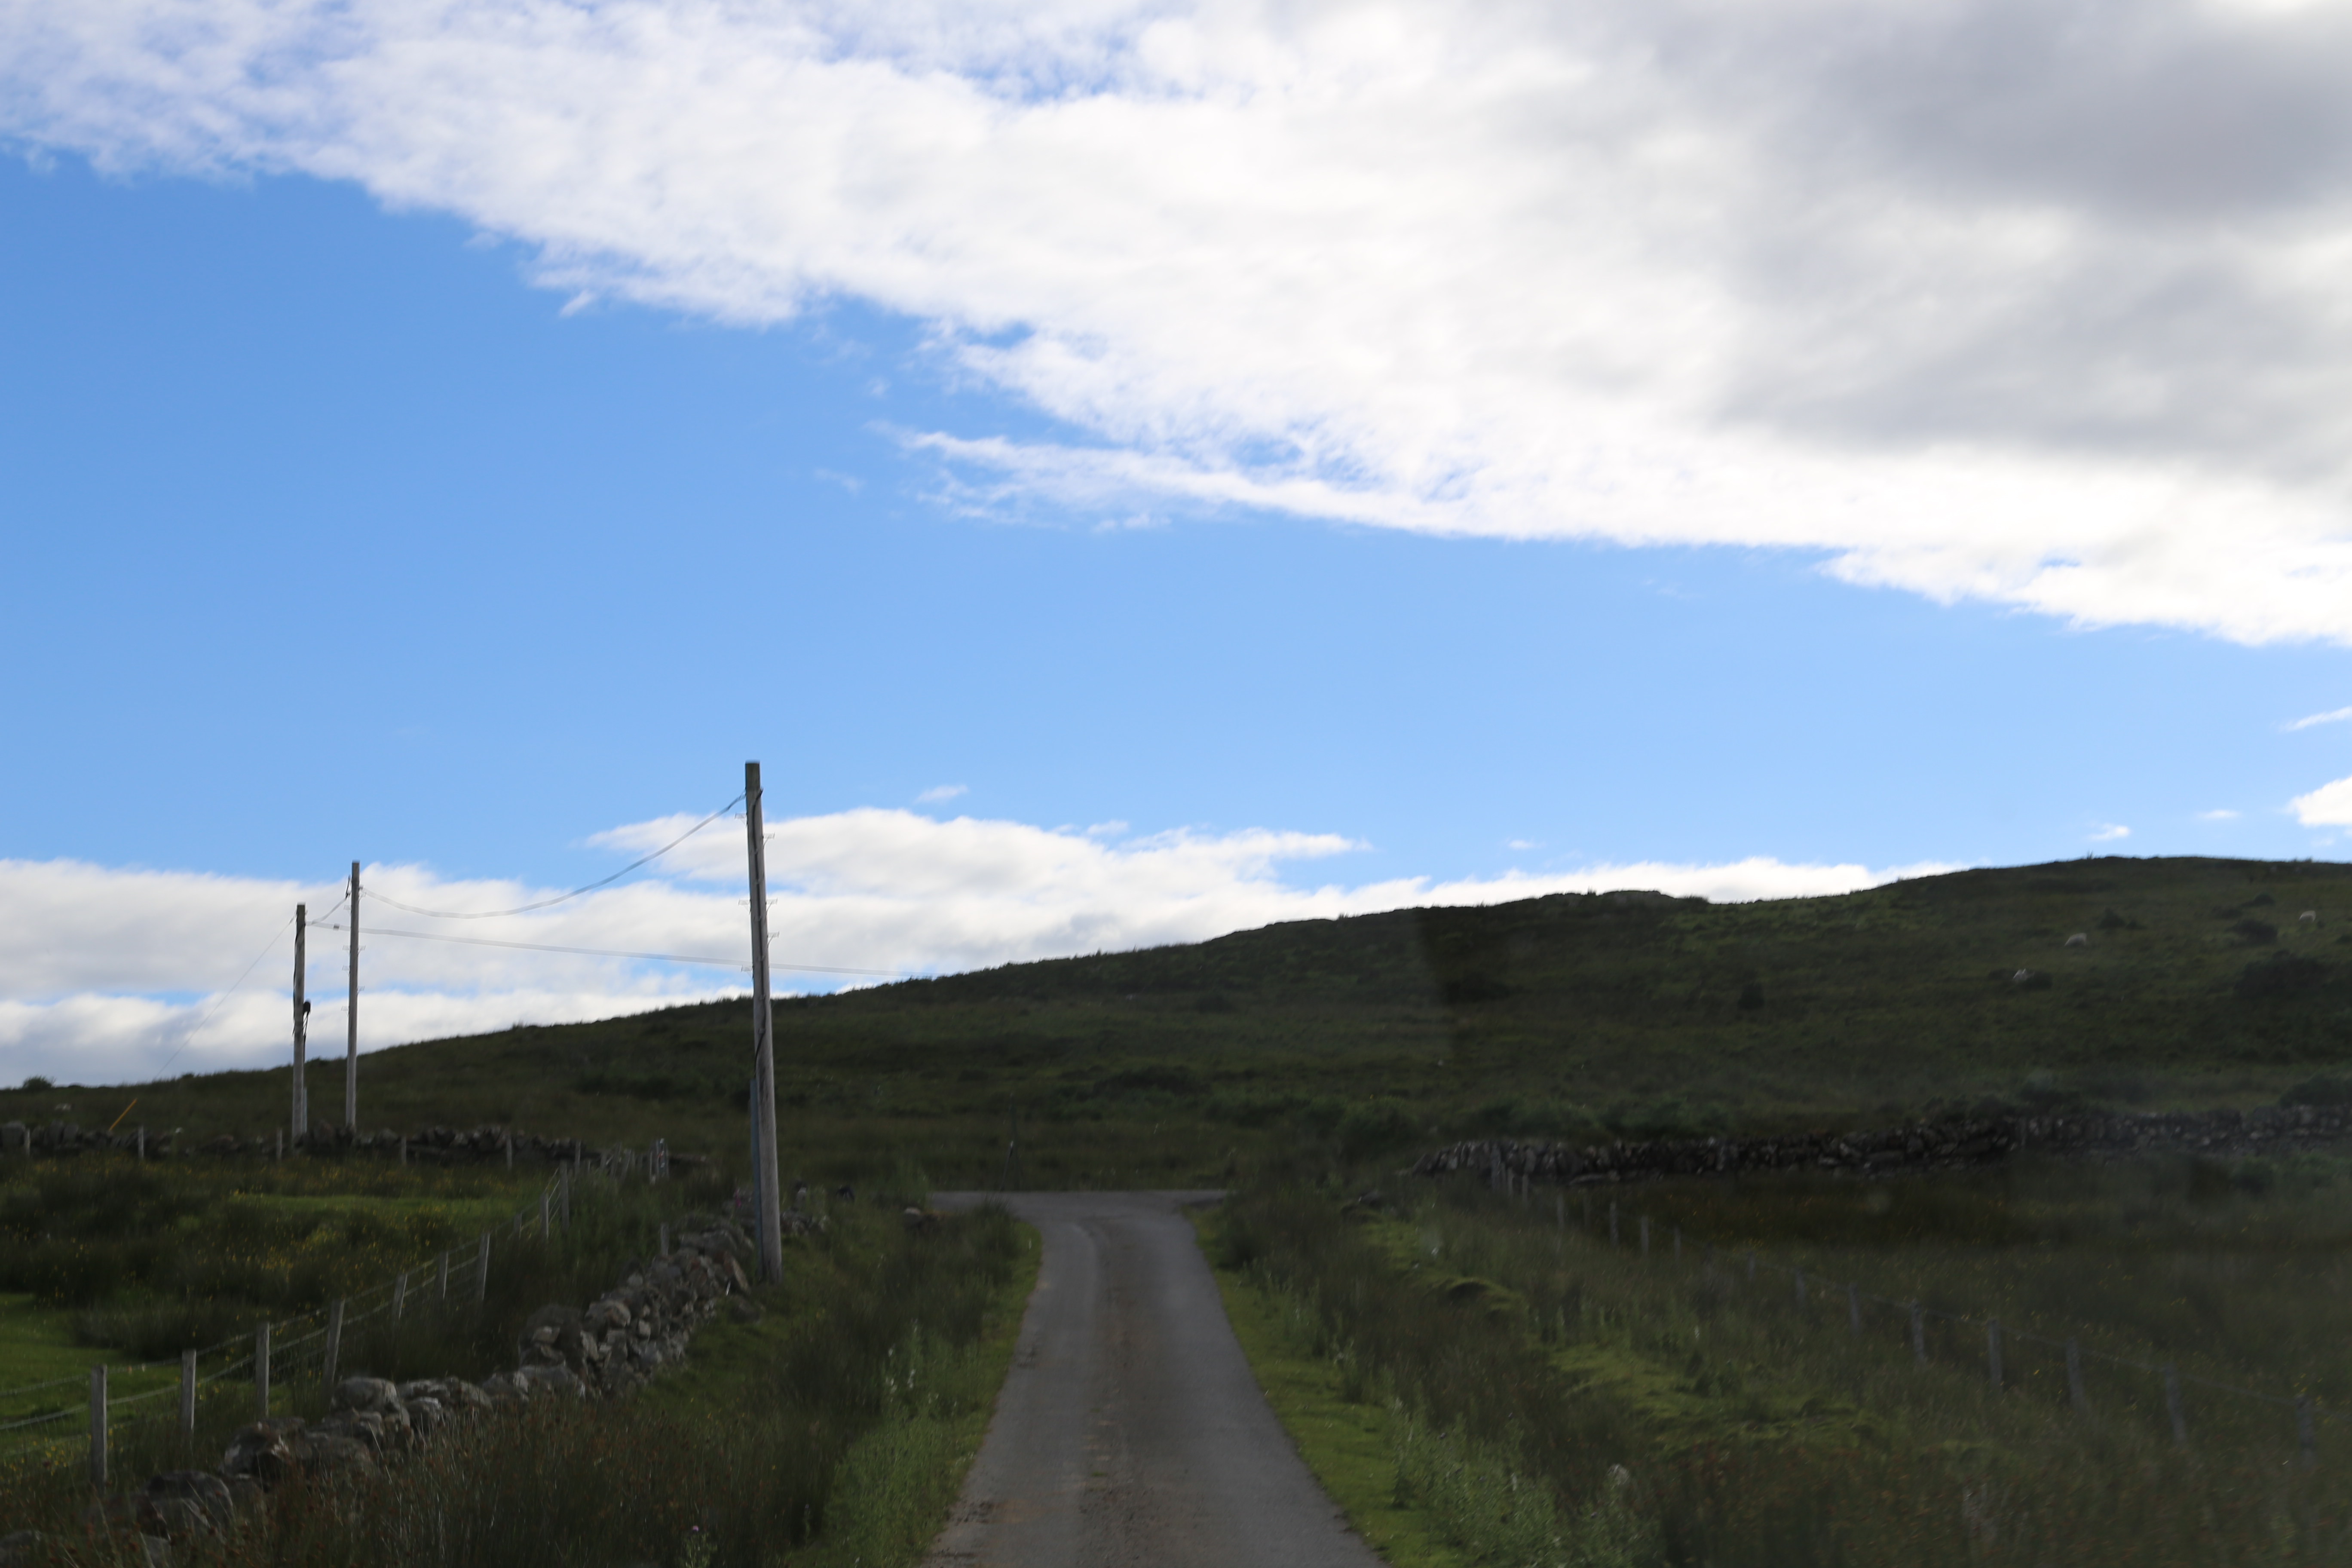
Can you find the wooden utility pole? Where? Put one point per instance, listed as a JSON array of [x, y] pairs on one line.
[[764, 1043], [351, 1019], [301, 1025]]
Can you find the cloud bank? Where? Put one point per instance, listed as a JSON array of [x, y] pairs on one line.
[[107, 973], [2036, 304]]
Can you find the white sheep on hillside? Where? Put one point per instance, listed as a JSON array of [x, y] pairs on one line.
[[2080, 939]]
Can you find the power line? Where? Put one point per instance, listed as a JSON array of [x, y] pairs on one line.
[[550, 903], [609, 952], [222, 1001]]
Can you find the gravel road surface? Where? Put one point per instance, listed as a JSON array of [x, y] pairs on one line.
[[1130, 1431]]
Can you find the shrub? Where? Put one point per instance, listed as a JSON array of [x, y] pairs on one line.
[[1468, 990], [2322, 1088], [2285, 974], [1374, 1125]]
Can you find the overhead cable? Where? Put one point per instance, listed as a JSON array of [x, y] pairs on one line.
[[609, 952], [222, 1000], [561, 898]]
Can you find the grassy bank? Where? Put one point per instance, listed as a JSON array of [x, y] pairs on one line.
[[832, 1430], [1349, 1441], [1545, 1397]]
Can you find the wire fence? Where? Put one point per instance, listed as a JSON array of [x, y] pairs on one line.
[[1819, 1290], [306, 1346]]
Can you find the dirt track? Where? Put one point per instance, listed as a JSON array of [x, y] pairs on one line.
[[1130, 1430]]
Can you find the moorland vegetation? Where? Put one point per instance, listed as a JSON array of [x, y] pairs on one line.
[[1572, 1016]]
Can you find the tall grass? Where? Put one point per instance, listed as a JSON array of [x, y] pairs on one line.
[[2150, 1261], [1752, 1431]]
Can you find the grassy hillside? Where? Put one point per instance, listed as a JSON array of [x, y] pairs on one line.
[[1568, 1015]]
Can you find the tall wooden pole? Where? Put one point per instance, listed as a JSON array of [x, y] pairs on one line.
[[301, 1025], [764, 1043], [351, 1019]]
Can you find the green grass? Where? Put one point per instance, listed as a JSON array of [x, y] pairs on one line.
[[38, 1345]]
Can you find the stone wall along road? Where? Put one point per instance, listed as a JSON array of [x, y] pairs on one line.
[[1130, 1430]]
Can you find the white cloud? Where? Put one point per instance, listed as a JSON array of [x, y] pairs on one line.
[[1979, 298], [104, 972], [2330, 806], [2110, 832], [941, 791], [2337, 717], [2219, 813], [1523, 843]]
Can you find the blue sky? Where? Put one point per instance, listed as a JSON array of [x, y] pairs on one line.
[[352, 514]]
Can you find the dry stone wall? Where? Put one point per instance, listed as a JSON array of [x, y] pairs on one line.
[[429, 1145], [1920, 1146]]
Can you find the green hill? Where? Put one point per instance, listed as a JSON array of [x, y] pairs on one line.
[[1629, 1010]]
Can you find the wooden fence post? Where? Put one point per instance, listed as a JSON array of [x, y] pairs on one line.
[[2307, 1440], [1613, 1222], [1646, 1237], [2172, 1405], [1992, 1352], [545, 1230], [1751, 1266], [664, 1240], [188, 1395], [98, 1428], [445, 1276], [1800, 1287], [2075, 1395], [334, 1351], [1918, 1334], [482, 1272], [399, 1294], [262, 1371]]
